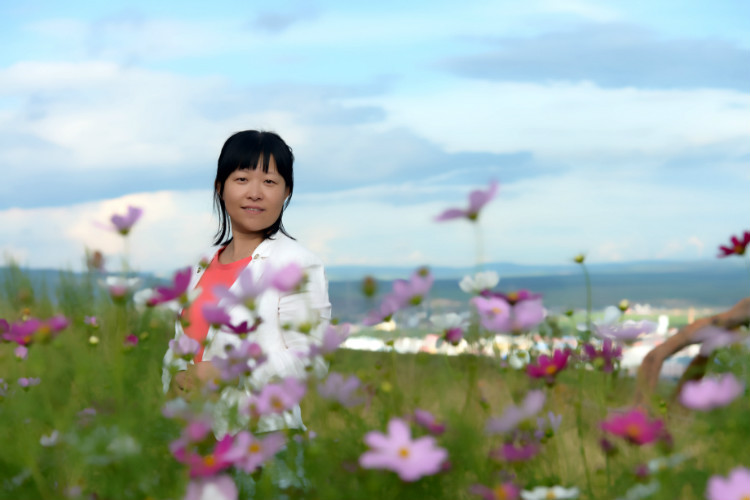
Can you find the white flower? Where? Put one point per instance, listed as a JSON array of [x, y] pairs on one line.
[[447, 321], [641, 491], [518, 359], [542, 493], [663, 463], [50, 440], [480, 281]]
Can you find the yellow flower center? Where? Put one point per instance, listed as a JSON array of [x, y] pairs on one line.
[[739, 249], [633, 431], [209, 460], [513, 296], [277, 404], [254, 448], [499, 493], [496, 310], [403, 452], [550, 495], [551, 370]]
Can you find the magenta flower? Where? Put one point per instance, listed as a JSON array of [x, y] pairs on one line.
[[738, 246], [243, 328], [288, 278], [178, 290], [477, 200], [124, 223], [249, 452], [504, 491], [736, 486], [608, 354], [131, 340], [278, 398], [547, 367], [396, 451], [515, 452], [205, 465], [634, 426], [34, 329], [711, 393], [513, 297], [220, 487], [427, 420], [184, 347], [341, 390], [215, 315], [454, 335], [532, 404], [247, 287]]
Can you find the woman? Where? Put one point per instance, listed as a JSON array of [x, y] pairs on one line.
[[253, 186]]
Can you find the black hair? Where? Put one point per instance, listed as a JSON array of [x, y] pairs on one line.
[[246, 150]]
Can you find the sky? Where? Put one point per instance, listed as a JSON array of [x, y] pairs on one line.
[[616, 129]]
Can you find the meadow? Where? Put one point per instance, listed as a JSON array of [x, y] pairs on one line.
[[83, 414]]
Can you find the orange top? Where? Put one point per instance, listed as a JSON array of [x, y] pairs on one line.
[[215, 274]]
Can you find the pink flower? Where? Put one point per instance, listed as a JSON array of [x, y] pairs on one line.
[[634, 426], [336, 388], [124, 223], [427, 420], [710, 393], [413, 291], [205, 465], [515, 452], [288, 278], [240, 361], [388, 307], [333, 337], [477, 200], [396, 451], [177, 291], [28, 382], [736, 486], [215, 315], [247, 287], [21, 352], [627, 331], [498, 315], [609, 353], [131, 340], [278, 398], [505, 491], [91, 321], [514, 415], [249, 452], [243, 328], [712, 338], [513, 297], [738, 246], [211, 488], [184, 347], [547, 367], [34, 329]]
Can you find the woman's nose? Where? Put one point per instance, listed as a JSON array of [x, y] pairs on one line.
[[254, 191]]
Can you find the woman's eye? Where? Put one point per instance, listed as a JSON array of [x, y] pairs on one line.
[[269, 181], [241, 179]]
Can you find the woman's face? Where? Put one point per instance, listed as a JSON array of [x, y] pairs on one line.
[[254, 198]]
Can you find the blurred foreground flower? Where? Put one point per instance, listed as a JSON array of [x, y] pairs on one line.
[[710, 392], [477, 200], [738, 246], [405, 293], [500, 316], [736, 486], [505, 491], [396, 451], [178, 290], [184, 347], [427, 420], [544, 493], [124, 223], [634, 426], [712, 338], [277, 398], [119, 288], [481, 281], [607, 355], [627, 331], [337, 388], [514, 415], [249, 452], [212, 488]]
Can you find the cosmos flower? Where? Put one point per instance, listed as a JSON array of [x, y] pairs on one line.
[[544, 493], [738, 246], [250, 452], [710, 392], [337, 388], [634, 426], [333, 337], [184, 347], [515, 452], [178, 290], [396, 451], [288, 278], [477, 200], [204, 465], [547, 367], [736, 486], [500, 316], [219, 487], [247, 289], [277, 398], [504, 491], [411, 292], [608, 354], [713, 337], [627, 331], [481, 281], [427, 420], [124, 223], [532, 404]]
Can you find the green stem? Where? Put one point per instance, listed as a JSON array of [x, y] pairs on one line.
[[579, 426], [588, 301], [479, 246]]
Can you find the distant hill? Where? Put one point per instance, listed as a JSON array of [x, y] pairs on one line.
[[714, 283]]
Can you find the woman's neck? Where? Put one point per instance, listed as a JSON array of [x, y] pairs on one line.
[[240, 247]]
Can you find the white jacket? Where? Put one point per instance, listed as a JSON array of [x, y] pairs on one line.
[[281, 345]]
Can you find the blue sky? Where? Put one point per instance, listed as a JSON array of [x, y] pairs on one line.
[[617, 129]]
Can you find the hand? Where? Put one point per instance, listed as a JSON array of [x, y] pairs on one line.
[[183, 383]]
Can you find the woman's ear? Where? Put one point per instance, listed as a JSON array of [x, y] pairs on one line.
[[217, 188]]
